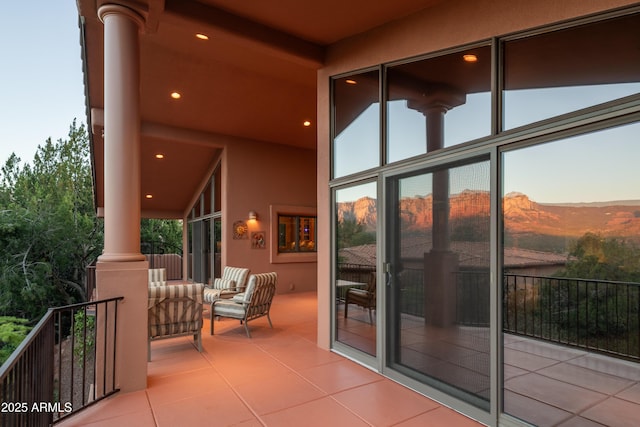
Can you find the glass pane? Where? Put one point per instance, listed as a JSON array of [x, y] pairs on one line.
[[207, 199], [355, 284], [296, 233], [438, 102], [356, 145], [307, 234], [563, 71], [571, 287], [438, 301], [217, 248], [217, 182]]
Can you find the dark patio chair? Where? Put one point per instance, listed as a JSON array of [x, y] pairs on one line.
[[363, 297]]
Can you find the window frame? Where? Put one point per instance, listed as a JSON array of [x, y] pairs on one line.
[[277, 257]]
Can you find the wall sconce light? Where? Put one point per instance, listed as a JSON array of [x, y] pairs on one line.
[[253, 216]]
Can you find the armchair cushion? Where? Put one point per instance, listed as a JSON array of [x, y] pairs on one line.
[[221, 283], [253, 303], [233, 280], [175, 310], [157, 276]]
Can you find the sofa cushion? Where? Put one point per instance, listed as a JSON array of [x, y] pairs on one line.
[[224, 283]]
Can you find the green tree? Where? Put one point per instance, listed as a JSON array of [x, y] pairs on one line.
[[596, 257], [165, 234], [352, 233], [12, 332], [592, 303], [49, 232]]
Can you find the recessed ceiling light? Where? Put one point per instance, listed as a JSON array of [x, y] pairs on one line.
[[149, 196], [306, 123], [176, 95], [470, 57], [351, 81], [202, 36], [159, 156]]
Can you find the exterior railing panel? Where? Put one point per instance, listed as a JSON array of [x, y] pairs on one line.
[[66, 363], [597, 315]]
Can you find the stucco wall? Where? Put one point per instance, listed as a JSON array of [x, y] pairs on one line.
[[449, 24], [257, 175]]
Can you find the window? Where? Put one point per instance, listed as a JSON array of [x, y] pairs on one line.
[[438, 102], [357, 123], [293, 234], [296, 233], [566, 70]]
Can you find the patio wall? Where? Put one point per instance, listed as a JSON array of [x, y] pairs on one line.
[[269, 174]]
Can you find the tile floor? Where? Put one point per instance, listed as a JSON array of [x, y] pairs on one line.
[[545, 384], [279, 377]]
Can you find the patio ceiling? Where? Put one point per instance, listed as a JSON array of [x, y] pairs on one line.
[[254, 78]]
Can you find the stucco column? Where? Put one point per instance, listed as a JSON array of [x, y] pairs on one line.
[[121, 133], [440, 264], [122, 271]]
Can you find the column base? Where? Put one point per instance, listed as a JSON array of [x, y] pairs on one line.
[[130, 280]]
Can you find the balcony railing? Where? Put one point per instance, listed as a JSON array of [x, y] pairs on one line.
[[66, 363], [596, 315]]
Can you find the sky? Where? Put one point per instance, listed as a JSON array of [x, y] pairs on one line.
[[41, 71], [595, 167]]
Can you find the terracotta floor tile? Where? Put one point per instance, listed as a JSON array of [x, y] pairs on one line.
[[580, 422], [586, 378], [167, 355], [218, 408], [609, 365], [166, 389], [439, 417], [546, 350], [280, 377], [528, 361], [631, 394], [338, 376], [248, 370], [278, 393], [533, 410], [317, 413], [615, 412], [555, 393], [111, 407], [302, 355], [385, 403]]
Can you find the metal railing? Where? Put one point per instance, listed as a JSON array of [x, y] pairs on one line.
[[65, 364], [596, 315]]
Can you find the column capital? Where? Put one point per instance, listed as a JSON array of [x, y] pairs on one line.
[[437, 100], [122, 9]]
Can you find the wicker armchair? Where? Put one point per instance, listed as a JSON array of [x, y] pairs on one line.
[[255, 302]]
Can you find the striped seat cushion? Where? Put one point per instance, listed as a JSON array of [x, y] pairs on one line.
[[175, 309]]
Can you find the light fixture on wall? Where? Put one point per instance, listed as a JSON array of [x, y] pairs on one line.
[[253, 216]]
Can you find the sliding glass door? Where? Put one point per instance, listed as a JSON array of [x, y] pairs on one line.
[[437, 278]]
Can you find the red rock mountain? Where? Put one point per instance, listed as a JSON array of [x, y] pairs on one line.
[[521, 215]]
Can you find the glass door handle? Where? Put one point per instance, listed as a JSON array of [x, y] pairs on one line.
[[387, 272]]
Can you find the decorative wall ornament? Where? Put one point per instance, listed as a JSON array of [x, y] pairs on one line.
[[258, 240], [240, 230]]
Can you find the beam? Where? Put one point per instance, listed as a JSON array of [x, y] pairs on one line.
[[250, 33]]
